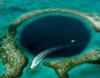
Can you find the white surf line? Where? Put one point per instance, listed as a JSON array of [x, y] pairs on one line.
[[42, 55]]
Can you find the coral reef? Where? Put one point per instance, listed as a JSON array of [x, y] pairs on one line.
[[90, 18], [62, 67], [13, 57]]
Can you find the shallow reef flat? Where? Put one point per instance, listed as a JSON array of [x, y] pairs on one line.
[[62, 67], [12, 56], [14, 59]]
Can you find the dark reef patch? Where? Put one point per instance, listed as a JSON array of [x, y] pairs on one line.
[[53, 31]]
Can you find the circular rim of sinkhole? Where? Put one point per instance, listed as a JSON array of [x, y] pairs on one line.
[[57, 52]]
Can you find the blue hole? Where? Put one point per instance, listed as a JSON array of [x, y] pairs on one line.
[[52, 31]]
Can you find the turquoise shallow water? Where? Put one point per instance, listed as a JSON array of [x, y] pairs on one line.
[[1, 67], [12, 9]]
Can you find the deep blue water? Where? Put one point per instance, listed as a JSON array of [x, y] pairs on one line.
[[53, 31]]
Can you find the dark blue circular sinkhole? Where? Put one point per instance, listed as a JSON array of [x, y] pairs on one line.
[[52, 31]]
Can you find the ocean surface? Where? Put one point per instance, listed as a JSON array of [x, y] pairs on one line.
[[10, 10]]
